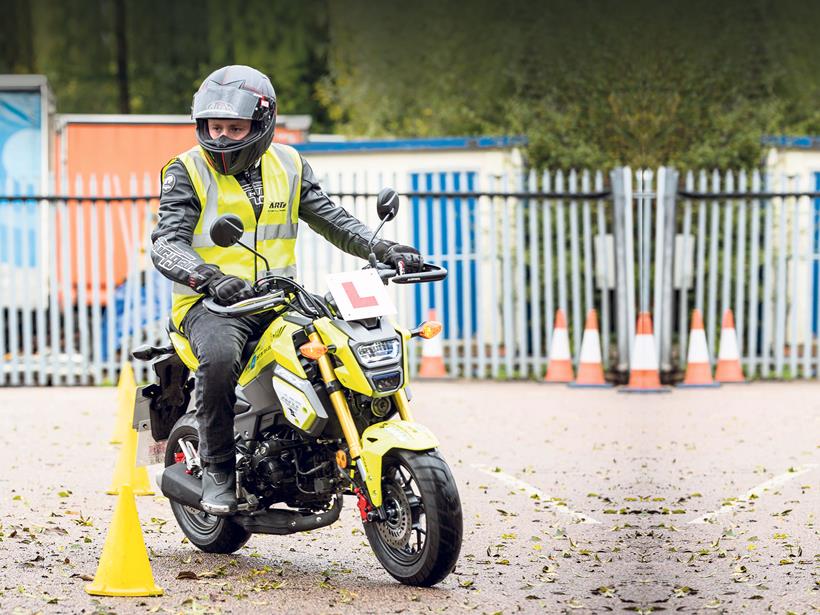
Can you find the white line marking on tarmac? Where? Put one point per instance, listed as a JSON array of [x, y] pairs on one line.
[[546, 500], [756, 491]]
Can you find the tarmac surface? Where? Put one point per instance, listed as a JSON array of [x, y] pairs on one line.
[[575, 501]]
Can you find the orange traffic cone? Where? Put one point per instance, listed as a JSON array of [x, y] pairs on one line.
[[432, 356], [728, 367], [698, 367], [644, 376], [590, 369], [560, 365]]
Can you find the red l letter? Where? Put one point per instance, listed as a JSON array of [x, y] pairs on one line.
[[356, 300]]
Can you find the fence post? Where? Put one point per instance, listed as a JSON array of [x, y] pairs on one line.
[[670, 204], [620, 206]]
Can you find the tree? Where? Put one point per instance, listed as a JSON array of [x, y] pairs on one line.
[[590, 82]]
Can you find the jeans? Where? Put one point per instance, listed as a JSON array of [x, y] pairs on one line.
[[217, 343]]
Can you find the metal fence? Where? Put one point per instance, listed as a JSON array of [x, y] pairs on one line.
[[78, 291]]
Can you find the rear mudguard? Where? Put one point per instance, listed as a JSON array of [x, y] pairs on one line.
[[379, 439]]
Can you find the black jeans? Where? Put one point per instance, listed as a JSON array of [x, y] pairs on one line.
[[217, 343]]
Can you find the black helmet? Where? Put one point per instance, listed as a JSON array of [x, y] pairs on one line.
[[235, 92]]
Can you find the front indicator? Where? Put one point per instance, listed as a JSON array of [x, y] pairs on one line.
[[313, 350], [427, 330]]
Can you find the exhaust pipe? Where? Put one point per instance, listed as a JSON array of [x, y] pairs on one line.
[[282, 522], [177, 485]]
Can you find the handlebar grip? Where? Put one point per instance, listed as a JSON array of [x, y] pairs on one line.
[[430, 273]]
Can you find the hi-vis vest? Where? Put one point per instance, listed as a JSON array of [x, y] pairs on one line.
[[273, 235]]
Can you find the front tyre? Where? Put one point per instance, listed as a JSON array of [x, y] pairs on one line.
[[209, 533], [420, 541]]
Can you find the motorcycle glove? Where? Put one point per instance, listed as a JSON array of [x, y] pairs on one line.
[[225, 289], [404, 259]]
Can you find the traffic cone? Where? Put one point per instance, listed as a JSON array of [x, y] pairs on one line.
[[127, 472], [126, 392], [559, 368], [432, 355], [698, 367], [590, 369], [728, 367], [124, 569], [644, 376]]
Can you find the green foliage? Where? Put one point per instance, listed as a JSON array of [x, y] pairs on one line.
[[592, 83], [170, 47]]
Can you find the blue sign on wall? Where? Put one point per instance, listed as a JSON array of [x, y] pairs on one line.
[[21, 124]]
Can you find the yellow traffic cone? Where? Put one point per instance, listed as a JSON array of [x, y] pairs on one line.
[[126, 394], [127, 472], [124, 569]]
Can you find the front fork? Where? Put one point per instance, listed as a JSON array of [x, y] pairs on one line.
[[339, 401]]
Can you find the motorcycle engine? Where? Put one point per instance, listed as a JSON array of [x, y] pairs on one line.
[[286, 468]]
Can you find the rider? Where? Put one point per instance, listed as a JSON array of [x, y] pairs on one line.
[[237, 169]]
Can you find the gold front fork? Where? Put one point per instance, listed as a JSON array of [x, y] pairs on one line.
[[337, 398], [403, 405]]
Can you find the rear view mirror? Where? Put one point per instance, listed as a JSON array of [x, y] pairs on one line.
[[227, 230], [387, 204]]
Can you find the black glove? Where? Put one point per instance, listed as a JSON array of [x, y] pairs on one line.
[[404, 259], [225, 289]]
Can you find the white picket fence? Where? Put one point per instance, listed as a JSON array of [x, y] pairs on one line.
[[78, 291]]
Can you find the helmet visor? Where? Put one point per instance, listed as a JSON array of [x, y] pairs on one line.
[[223, 101]]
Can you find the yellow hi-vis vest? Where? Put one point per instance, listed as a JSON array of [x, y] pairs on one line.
[[273, 235]]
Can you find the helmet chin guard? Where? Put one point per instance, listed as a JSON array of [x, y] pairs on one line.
[[235, 92]]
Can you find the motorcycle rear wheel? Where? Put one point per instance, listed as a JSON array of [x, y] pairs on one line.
[[208, 533], [420, 541]]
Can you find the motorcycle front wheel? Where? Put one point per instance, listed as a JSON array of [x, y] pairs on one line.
[[209, 533], [419, 542]]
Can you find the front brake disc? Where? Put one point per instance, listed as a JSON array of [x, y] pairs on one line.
[[395, 531]]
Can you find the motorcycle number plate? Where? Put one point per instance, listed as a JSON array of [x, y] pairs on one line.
[[148, 451], [360, 294]]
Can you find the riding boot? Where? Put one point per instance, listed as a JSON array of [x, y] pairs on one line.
[[219, 487]]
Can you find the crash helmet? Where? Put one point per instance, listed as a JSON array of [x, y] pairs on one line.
[[235, 92]]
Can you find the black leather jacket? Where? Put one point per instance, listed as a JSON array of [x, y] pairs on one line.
[[179, 211]]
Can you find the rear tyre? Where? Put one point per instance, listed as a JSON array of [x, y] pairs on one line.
[[420, 541], [207, 532]]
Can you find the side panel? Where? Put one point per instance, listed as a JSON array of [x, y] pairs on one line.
[[276, 344], [380, 438], [301, 405]]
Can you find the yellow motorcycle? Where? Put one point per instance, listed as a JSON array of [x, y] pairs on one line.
[[322, 412]]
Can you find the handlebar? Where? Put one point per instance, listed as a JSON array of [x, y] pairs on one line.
[[429, 273], [254, 305], [271, 298]]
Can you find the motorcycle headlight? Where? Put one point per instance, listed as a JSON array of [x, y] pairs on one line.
[[378, 352]]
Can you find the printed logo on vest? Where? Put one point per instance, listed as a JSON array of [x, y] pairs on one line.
[[273, 205]]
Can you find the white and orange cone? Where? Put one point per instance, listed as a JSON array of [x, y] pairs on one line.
[[432, 356], [559, 368], [728, 367], [644, 376], [698, 366], [590, 368]]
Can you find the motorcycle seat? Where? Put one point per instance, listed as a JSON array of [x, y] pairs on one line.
[[247, 351]]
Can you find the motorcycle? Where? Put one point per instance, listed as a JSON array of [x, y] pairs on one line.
[[322, 412]]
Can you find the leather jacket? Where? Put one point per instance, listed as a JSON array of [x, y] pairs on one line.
[[179, 211]]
